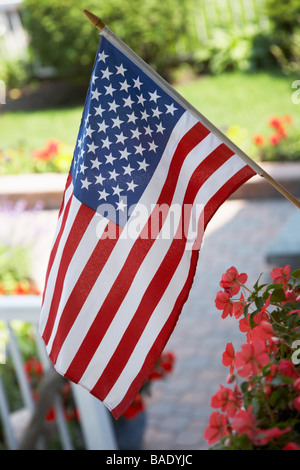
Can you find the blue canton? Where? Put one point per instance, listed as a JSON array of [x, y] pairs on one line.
[[125, 127]]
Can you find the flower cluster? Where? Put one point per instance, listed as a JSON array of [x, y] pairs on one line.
[[281, 144], [263, 411], [54, 156], [163, 367], [22, 287]]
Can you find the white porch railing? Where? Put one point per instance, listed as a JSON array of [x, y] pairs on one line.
[[95, 422]]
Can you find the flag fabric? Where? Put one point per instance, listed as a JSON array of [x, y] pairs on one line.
[[146, 177]]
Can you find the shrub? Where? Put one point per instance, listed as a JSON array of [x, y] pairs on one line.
[[62, 37]]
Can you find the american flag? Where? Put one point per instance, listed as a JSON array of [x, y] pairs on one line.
[[115, 286]]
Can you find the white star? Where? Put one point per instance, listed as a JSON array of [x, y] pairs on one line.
[[110, 158], [102, 126], [128, 101], [89, 131], [82, 168], [102, 56], [124, 86], [132, 117], [131, 186], [121, 206], [109, 90], [87, 118], [106, 143], [85, 183], [117, 190], [121, 138], [99, 179], [117, 122], [170, 108], [113, 175], [95, 94], [160, 128], [128, 170], [113, 106], [94, 78], [139, 149], [99, 110], [143, 165], [124, 154], [106, 73], [154, 96], [135, 134], [103, 194], [152, 146], [148, 131], [120, 69], [137, 83], [156, 112], [145, 115], [79, 142], [92, 147], [141, 99], [95, 163]]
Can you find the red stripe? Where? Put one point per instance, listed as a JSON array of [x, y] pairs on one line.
[[82, 288], [226, 190], [56, 243], [162, 277], [137, 254], [79, 226], [229, 187]]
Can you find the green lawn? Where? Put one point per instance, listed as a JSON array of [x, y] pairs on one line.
[[246, 100]]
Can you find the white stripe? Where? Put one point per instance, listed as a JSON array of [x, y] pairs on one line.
[[167, 302], [81, 256], [119, 254], [145, 273], [74, 207]]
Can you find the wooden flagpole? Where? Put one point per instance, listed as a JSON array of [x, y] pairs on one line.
[[98, 23]]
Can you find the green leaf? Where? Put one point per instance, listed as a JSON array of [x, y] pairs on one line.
[[274, 286], [296, 273], [278, 295]]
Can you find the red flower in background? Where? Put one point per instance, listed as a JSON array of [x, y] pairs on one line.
[[281, 275], [228, 357], [49, 151], [251, 358]]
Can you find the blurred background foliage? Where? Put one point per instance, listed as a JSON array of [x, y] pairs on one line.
[[211, 35]]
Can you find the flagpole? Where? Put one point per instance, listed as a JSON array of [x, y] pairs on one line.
[[98, 23]]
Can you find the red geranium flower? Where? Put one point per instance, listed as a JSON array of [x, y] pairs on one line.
[[232, 280], [217, 428], [245, 423], [228, 357], [251, 358], [281, 275]]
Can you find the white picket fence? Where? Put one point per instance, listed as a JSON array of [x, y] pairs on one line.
[[95, 422]]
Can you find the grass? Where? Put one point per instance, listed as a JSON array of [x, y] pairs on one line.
[[246, 100]]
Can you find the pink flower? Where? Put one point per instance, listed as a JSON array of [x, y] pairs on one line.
[[291, 446], [281, 275], [227, 400], [223, 302], [245, 423], [268, 435], [287, 368], [297, 385], [232, 280], [296, 403], [252, 358], [228, 357], [217, 428]]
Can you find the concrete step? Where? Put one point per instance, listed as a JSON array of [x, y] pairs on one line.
[[48, 187]]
